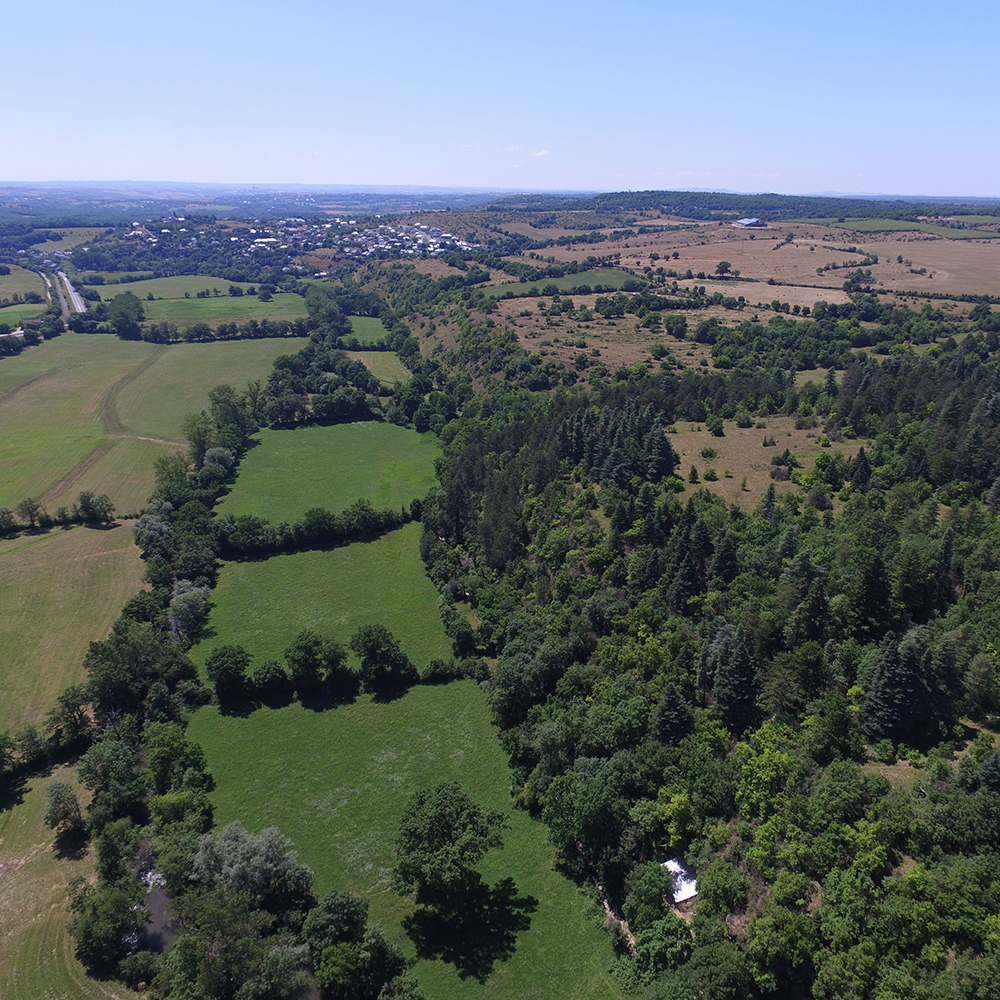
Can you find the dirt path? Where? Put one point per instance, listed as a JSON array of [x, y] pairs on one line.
[[12, 390], [79, 471], [109, 401]]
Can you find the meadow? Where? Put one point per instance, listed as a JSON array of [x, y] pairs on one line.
[[368, 329], [264, 604], [336, 783], [12, 315], [602, 276], [224, 309], [58, 591], [332, 467], [36, 951], [20, 281], [384, 365], [92, 412]]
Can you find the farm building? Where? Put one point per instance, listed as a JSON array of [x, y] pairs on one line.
[[751, 223]]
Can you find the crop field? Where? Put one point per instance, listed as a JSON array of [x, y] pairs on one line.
[[68, 405], [384, 365], [336, 782], [225, 309], [368, 329], [332, 467], [263, 604], [20, 281], [36, 951], [891, 226], [58, 592]]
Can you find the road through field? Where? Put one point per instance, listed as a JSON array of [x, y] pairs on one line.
[[74, 296]]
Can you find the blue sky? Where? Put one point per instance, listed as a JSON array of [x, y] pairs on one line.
[[754, 96]]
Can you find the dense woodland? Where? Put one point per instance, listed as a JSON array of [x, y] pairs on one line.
[[796, 697]]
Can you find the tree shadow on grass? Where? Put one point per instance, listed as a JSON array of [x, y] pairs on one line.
[[479, 933]]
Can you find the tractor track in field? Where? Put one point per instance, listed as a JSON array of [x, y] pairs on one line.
[[113, 426], [12, 390]]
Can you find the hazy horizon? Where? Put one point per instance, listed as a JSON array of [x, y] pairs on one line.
[[778, 97]]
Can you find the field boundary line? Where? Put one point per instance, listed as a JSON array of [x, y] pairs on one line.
[[109, 401]]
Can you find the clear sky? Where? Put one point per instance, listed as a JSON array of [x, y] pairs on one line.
[[757, 95]]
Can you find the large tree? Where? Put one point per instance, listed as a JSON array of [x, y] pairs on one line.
[[442, 837]]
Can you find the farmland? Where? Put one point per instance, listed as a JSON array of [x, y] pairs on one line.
[[58, 591], [36, 951], [367, 329], [384, 365], [68, 405], [263, 604], [20, 281], [341, 799], [332, 467], [225, 309]]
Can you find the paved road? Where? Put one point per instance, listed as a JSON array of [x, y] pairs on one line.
[[74, 296]]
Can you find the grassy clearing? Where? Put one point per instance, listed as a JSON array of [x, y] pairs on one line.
[[336, 782], [20, 281], [172, 287], [225, 309], [368, 329], [36, 951], [262, 605], [58, 592], [603, 276], [384, 365], [332, 467], [72, 237]]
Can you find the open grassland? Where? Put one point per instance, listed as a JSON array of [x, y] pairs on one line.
[[263, 605], [332, 467], [20, 281], [73, 236], [603, 276], [83, 412], [156, 401], [893, 226], [58, 591], [743, 453], [36, 951], [172, 287], [368, 329], [225, 309], [12, 315], [384, 365], [336, 782]]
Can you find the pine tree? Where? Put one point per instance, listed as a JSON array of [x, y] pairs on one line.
[[672, 719], [658, 456], [725, 565], [736, 684]]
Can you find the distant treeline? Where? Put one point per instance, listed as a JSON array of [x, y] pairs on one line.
[[712, 204]]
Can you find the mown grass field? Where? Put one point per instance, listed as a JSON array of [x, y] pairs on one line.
[[225, 309], [75, 411], [36, 951], [892, 226], [384, 365], [172, 287], [336, 782], [58, 592], [264, 604], [368, 329], [12, 315], [291, 471], [20, 281]]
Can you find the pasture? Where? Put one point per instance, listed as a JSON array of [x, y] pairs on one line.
[[12, 315], [36, 951], [608, 278], [332, 467], [225, 309], [384, 365], [172, 287], [20, 281], [336, 782], [368, 329], [92, 412], [264, 604], [58, 592]]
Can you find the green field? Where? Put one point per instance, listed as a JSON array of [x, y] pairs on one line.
[[891, 226], [12, 315], [336, 782], [607, 278], [58, 592], [36, 952], [166, 288], [225, 309], [368, 329], [20, 281], [92, 412], [332, 467], [384, 365], [263, 604]]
